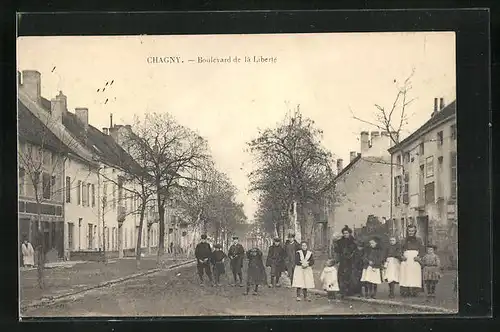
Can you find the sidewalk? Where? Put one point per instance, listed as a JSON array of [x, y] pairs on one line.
[[66, 277], [445, 298]]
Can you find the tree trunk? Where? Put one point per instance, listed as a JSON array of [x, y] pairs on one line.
[[120, 240], [139, 237], [40, 248], [161, 237], [148, 231]]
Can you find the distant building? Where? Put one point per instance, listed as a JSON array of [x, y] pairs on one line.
[[362, 188], [425, 181]]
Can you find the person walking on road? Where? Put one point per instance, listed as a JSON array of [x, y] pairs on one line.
[[256, 273], [345, 248], [410, 276], [218, 257], [303, 278], [203, 254], [236, 254], [276, 260], [28, 254], [291, 250]]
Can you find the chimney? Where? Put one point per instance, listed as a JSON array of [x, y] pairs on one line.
[[340, 165], [105, 131], [32, 84], [375, 135], [441, 103], [110, 120], [365, 141], [352, 156], [82, 113], [58, 106]]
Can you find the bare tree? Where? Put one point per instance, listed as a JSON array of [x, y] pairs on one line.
[[44, 149], [171, 151]]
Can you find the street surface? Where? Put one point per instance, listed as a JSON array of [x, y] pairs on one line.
[[178, 293]]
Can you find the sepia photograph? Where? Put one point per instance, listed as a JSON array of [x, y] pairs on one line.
[[237, 175]]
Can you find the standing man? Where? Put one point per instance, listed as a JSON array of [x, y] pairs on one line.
[[276, 260], [291, 250], [203, 254], [236, 254]]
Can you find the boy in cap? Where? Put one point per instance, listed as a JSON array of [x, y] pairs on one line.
[[203, 254], [236, 254], [276, 260], [218, 257]]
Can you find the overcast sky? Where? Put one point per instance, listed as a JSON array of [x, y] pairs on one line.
[[327, 74]]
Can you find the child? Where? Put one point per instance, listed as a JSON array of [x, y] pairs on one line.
[[372, 264], [357, 271], [330, 280], [392, 264], [432, 274], [303, 274], [256, 274], [218, 257]]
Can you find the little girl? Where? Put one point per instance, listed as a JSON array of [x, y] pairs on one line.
[[373, 262], [392, 264], [303, 277], [432, 274], [329, 279]]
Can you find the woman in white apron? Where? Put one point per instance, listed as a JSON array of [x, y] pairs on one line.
[[392, 265], [28, 254], [303, 278], [410, 277]]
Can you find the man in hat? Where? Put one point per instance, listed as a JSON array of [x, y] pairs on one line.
[[276, 260], [236, 254], [203, 254], [291, 249]]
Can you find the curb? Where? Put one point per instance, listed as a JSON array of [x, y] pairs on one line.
[[419, 307], [58, 298]]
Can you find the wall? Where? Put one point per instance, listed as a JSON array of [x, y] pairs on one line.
[[363, 190]]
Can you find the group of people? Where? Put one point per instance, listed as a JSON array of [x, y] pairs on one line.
[[356, 269], [293, 258]]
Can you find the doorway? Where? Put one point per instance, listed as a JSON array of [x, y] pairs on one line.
[[423, 228]]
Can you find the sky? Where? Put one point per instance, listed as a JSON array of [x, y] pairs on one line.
[[328, 74]]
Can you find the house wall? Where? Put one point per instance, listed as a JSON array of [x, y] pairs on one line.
[[363, 190], [442, 209]]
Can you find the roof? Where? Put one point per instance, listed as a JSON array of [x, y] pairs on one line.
[[93, 139], [447, 112], [345, 169], [33, 130]]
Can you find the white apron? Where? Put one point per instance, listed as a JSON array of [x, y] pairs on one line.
[[303, 277], [410, 272], [392, 269], [371, 275], [28, 254]]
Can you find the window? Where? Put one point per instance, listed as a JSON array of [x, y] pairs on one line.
[[453, 165], [421, 149], [453, 132], [429, 193], [113, 239], [94, 237], [68, 189], [88, 194], [93, 195], [46, 182], [397, 190], [104, 195], [407, 157], [440, 138], [429, 166], [70, 235], [398, 160], [22, 175], [90, 235], [84, 195], [421, 185], [78, 192], [406, 194], [113, 195], [108, 240]]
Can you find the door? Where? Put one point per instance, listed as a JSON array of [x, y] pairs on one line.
[[423, 228]]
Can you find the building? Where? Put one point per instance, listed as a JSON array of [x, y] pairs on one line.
[[425, 181], [96, 210], [362, 188]]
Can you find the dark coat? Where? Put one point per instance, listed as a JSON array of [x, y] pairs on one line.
[[291, 249], [345, 250], [276, 256], [217, 261], [413, 243], [393, 251], [236, 254], [256, 273], [374, 255], [203, 252]]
